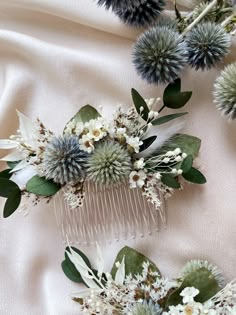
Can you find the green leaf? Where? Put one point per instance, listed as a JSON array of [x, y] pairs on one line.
[[13, 164], [71, 272], [172, 88], [7, 187], [165, 119], [42, 187], [177, 100], [6, 174], [173, 97], [147, 143], [85, 114], [69, 268], [188, 144], [11, 191], [170, 181], [133, 262], [194, 176], [138, 103], [12, 203], [85, 258], [201, 279], [187, 164]]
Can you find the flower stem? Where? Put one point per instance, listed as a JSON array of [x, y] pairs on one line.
[[200, 17], [161, 109], [228, 19]]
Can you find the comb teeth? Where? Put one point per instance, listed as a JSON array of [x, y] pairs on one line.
[[108, 214]]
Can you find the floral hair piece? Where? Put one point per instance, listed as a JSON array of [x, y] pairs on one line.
[[135, 286], [104, 152]]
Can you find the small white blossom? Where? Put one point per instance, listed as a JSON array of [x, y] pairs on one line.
[[79, 128], [137, 179], [139, 164], [134, 142], [86, 143], [189, 294]]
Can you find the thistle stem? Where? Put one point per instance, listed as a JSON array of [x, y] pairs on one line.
[[228, 19], [200, 17]]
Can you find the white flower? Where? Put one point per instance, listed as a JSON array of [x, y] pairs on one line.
[[188, 294], [192, 309], [152, 114], [137, 179], [134, 142], [121, 131], [158, 176], [70, 127], [86, 143], [139, 164], [96, 130], [79, 128]]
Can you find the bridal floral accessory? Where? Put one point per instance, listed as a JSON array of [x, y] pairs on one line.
[[135, 286], [200, 39], [127, 148]]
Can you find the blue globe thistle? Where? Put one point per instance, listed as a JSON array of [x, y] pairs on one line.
[[110, 163], [140, 13], [225, 92], [146, 309], [63, 160], [208, 43], [160, 55]]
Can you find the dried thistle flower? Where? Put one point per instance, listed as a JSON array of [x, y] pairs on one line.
[[63, 160], [160, 55], [140, 12], [194, 265], [109, 163], [225, 92], [208, 43], [146, 309]]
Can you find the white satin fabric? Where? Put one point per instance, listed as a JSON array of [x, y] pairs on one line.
[[56, 56]]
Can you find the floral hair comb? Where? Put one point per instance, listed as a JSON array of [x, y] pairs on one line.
[[135, 286], [111, 177]]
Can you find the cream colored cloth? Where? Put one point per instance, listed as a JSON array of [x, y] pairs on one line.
[[56, 56]]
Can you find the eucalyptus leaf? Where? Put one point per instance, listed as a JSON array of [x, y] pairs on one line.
[[12, 203], [6, 174], [7, 187], [173, 97], [194, 176], [177, 100], [42, 187], [187, 164], [147, 143], [69, 268], [71, 272], [170, 181], [201, 279], [165, 119], [138, 103], [133, 262]]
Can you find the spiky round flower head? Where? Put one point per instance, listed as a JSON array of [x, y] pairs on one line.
[[225, 92], [63, 160], [208, 43], [195, 265], [210, 16], [109, 163], [146, 309], [160, 55], [140, 12]]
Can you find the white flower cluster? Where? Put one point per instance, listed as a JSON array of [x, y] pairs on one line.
[[120, 298], [223, 303]]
